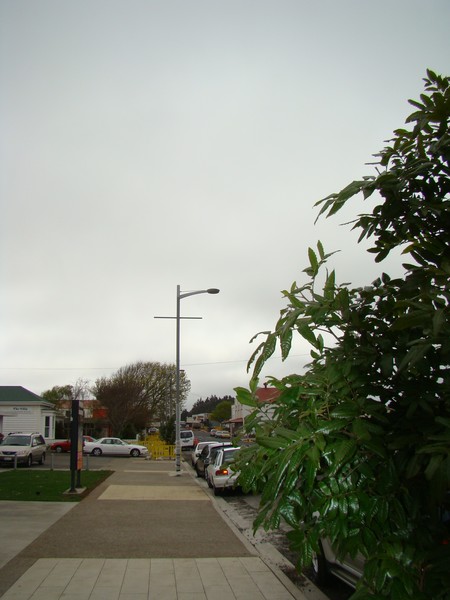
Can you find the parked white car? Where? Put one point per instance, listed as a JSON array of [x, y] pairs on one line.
[[114, 446], [221, 475], [210, 459], [187, 439]]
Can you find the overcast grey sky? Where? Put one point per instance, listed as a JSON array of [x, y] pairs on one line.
[[147, 143]]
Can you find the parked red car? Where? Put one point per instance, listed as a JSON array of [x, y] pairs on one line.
[[64, 445]]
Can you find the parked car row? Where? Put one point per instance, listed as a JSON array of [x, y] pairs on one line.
[[28, 448], [108, 445], [64, 445], [214, 462]]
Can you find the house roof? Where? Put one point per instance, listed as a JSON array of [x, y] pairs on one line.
[[16, 394], [267, 394]]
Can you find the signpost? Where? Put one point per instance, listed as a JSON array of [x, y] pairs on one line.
[[76, 446]]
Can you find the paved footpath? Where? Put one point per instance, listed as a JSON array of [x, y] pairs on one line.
[[142, 534]]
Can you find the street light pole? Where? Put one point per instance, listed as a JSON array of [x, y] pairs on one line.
[[180, 296], [177, 391]]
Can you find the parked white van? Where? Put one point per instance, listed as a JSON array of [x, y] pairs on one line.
[[186, 439]]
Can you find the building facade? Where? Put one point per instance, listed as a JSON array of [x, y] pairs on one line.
[[22, 410]]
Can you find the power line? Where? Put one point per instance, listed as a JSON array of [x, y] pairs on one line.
[[56, 368], [219, 362]]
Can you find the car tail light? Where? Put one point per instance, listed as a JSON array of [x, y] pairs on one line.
[[222, 472]]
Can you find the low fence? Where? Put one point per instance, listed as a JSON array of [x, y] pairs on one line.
[[158, 449]]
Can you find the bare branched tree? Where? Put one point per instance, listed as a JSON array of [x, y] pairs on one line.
[[137, 393]]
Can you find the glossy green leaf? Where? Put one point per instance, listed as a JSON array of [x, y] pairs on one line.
[[313, 260], [245, 397]]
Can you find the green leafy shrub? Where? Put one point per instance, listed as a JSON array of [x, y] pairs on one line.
[[358, 449]]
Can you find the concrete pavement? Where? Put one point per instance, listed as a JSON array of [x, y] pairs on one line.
[[143, 533]]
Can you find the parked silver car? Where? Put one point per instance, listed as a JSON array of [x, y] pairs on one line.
[[23, 448], [326, 563], [350, 570]]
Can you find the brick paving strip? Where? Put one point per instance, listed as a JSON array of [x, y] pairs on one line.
[[234, 578]]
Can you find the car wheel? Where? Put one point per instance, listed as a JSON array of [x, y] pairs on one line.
[[58, 449], [97, 451], [321, 574], [217, 491], [29, 460], [42, 459], [135, 452]]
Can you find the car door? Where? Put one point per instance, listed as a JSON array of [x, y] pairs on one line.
[[117, 446], [200, 464], [38, 447], [111, 446], [105, 445]]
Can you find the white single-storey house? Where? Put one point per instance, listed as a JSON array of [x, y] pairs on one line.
[[21, 410]]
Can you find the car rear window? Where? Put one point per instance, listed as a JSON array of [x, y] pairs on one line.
[[228, 456], [213, 453]]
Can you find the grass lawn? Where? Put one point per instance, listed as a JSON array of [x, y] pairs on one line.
[[46, 486]]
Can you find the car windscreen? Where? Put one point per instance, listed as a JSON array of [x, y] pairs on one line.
[[16, 440]]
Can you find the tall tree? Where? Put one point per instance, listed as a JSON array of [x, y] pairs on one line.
[[61, 395], [167, 431], [359, 448], [137, 393], [58, 395], [222, 412]]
